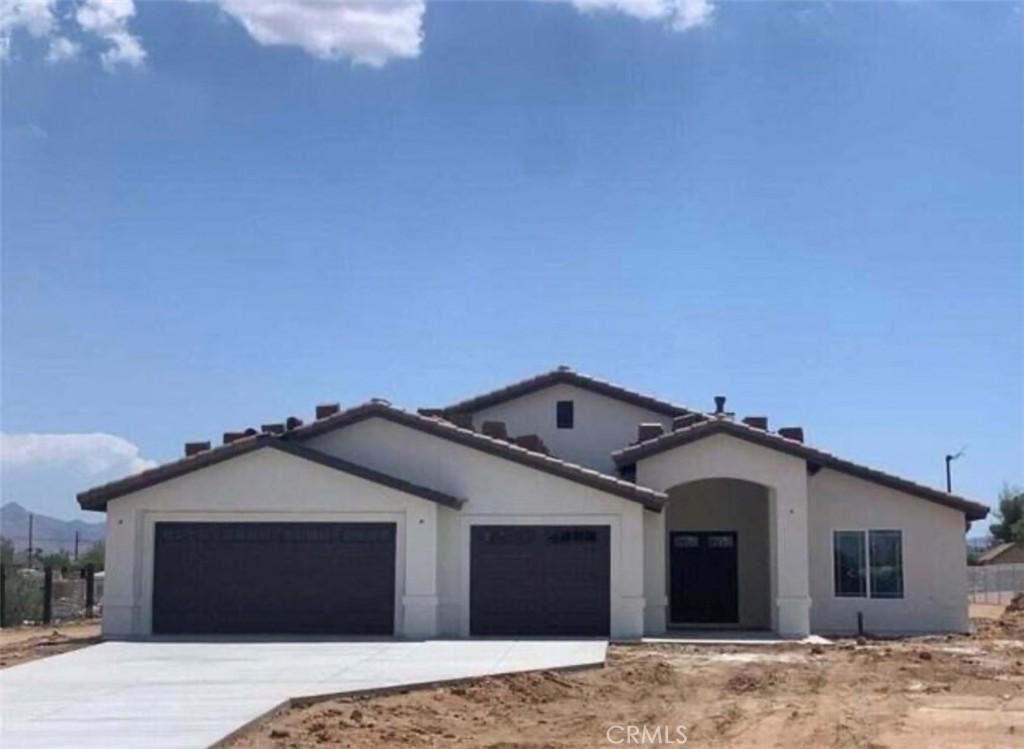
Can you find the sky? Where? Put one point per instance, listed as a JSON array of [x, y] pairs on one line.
[[216, 214]]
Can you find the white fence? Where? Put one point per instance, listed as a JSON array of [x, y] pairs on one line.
[[995, 583]]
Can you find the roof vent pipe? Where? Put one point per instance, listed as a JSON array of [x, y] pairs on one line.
[[719, 404], [292, 422]]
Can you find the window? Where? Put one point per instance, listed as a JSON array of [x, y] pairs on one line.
[[885, 550], [849, 564], [868, 563], [564, 414]]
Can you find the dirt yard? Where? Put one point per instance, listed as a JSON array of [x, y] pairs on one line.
[[927, 693], [23, 644]]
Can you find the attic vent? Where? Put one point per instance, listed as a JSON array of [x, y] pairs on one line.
[[292, 422], [757, 422], [230, 437], [272, 428]]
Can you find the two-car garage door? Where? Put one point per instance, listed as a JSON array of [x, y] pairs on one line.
[[339, 579], [274, 578]]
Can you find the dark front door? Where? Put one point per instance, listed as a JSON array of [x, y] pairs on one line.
[[704, 579], [540, 580], [274, 578]]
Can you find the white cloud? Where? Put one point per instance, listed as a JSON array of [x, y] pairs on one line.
[[105, 21], [92, 454], [34, 17], [62, 48], [108, 19], [369, 32], [680, 15]]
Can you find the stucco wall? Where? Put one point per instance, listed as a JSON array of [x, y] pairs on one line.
[[266, 485], [728, 505], [934, 558], [497, 491], [601, 424]]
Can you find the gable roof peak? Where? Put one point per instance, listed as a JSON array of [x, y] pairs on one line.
[[565, 375]]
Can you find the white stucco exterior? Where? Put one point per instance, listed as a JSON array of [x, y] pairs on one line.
[[498, 491], [934, 558], [783, 511], [266, 485], [601, 425]]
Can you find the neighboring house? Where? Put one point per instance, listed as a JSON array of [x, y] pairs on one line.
[[1010, 553], [561, 505]]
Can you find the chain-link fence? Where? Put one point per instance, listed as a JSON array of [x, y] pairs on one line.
[[995, 583], [43, 596]]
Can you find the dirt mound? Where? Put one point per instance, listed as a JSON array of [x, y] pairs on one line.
[[752, 680]]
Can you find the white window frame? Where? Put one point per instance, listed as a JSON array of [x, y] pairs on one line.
[[868, 582]]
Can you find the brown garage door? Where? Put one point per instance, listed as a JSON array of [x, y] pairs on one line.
[[540, 580], [274, 578]]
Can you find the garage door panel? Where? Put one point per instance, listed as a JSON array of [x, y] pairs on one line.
[[540, 580], [274, 578]]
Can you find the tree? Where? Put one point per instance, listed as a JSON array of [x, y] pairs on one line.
[[1010, 527], [58, 560], [93, 556], [6, 551]]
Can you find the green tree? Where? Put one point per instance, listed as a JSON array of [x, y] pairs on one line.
[[58, 560], [1010, 515], [93, 556]]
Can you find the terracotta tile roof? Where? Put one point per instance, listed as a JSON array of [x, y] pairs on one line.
[[815, 457], [97, 497], [290, 441], [439, 427], [566, 376]]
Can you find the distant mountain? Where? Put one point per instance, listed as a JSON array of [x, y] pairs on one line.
[[48, 534]]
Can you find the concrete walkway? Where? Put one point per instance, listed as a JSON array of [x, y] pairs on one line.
[[189, 695]]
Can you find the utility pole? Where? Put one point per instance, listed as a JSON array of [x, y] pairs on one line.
[[76, 546], [949, 476], [30, 517]]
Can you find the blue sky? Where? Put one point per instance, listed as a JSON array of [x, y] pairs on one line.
[[214, 218]]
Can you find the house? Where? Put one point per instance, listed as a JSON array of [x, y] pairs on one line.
[[559, 505], [1008, 553]]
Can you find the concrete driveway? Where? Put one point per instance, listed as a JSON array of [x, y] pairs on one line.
[[189, 695]]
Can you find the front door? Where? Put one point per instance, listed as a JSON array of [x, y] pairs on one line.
[[704, 579]]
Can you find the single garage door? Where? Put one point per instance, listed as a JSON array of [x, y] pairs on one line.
[[274, 578], [540, 580]]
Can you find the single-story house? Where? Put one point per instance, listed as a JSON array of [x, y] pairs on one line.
[[559, 505], [1008, 553]]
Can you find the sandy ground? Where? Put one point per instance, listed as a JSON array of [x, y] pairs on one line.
[[927, 693], [23, 644]]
